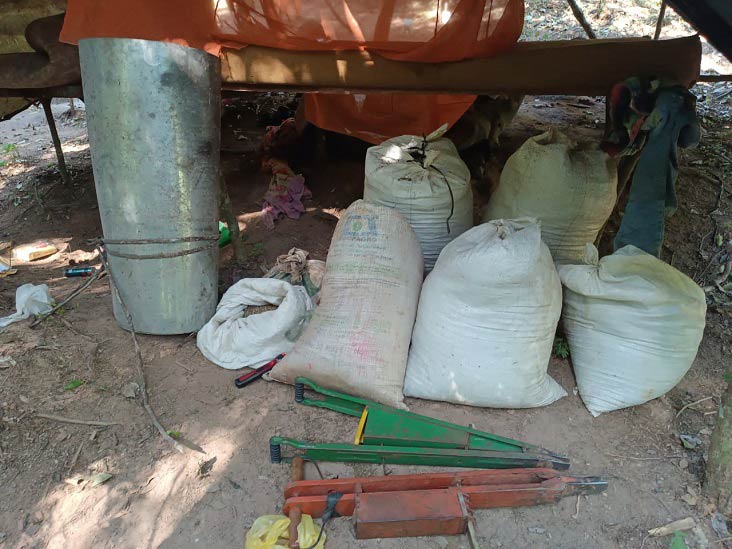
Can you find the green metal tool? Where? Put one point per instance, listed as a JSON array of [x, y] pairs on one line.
[[390, 435]]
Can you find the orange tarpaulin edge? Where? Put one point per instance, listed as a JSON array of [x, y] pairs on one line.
[[405, 30]]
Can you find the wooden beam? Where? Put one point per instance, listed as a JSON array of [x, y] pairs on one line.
[[715, 78], [573, 67], [72, 90]]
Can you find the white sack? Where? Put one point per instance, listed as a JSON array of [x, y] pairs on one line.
[[29, 300], [571, 190], [486, 320], [417, 178], [633, 324], [233, 341], [358, 338]]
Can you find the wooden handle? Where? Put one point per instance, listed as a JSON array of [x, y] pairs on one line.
[[295, 513], [297, 464], [295, 516]]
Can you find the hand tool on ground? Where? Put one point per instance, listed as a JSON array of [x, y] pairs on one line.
[[390, 435], [432, 503], [245, 379]]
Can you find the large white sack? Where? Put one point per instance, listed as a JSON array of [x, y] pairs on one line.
[[486, 320], [358, 338], [633, 323], [427, 182], [571, 190], [233, 341]]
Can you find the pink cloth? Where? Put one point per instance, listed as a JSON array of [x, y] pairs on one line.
[[284, 197]]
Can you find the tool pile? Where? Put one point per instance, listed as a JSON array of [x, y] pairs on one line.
[[479, 331], [510, 473]]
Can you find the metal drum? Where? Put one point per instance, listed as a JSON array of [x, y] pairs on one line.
[[153, 116]]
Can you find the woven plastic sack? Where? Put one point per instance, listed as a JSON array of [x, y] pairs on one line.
[[425, 179], [358, 339], [232, 340], [486, 321], [571, 190], [633, 324]]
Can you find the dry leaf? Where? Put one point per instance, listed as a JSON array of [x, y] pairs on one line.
[[676, 526], [99, 478], [130, 389], [689, 499]]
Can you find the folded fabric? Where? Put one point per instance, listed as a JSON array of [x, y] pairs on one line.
[[285, 194]]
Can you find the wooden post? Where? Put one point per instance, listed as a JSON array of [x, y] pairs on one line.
[[659, 21], [580, 16], [718, 484], [56, 142]]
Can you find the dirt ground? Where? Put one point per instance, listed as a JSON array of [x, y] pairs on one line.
[[156, 497]]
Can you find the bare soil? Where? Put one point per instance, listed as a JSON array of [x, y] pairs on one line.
[[159, 498]]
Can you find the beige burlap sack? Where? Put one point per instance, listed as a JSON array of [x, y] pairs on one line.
[[358, 339]]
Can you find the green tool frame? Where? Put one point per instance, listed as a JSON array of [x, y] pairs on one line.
[[390, 435]]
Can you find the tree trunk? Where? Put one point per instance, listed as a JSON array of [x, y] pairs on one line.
[[718, 482]]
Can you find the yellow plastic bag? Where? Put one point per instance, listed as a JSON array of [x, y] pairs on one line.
[[272, 531]]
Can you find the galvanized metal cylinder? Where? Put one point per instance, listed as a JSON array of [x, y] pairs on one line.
[[153, 117]]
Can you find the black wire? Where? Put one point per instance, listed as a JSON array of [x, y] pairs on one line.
[[452, 198], [422, 154], [328, 514], [320, 535]]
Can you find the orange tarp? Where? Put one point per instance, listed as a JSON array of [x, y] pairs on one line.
[[406, 30]]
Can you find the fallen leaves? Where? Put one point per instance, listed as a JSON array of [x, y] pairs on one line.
[[205, 467]]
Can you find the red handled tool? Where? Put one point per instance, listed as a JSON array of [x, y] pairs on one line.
[[247, 378]]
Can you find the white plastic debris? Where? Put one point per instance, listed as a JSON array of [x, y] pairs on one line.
[[29, 300]]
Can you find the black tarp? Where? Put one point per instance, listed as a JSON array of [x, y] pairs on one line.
[[712, 18]]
